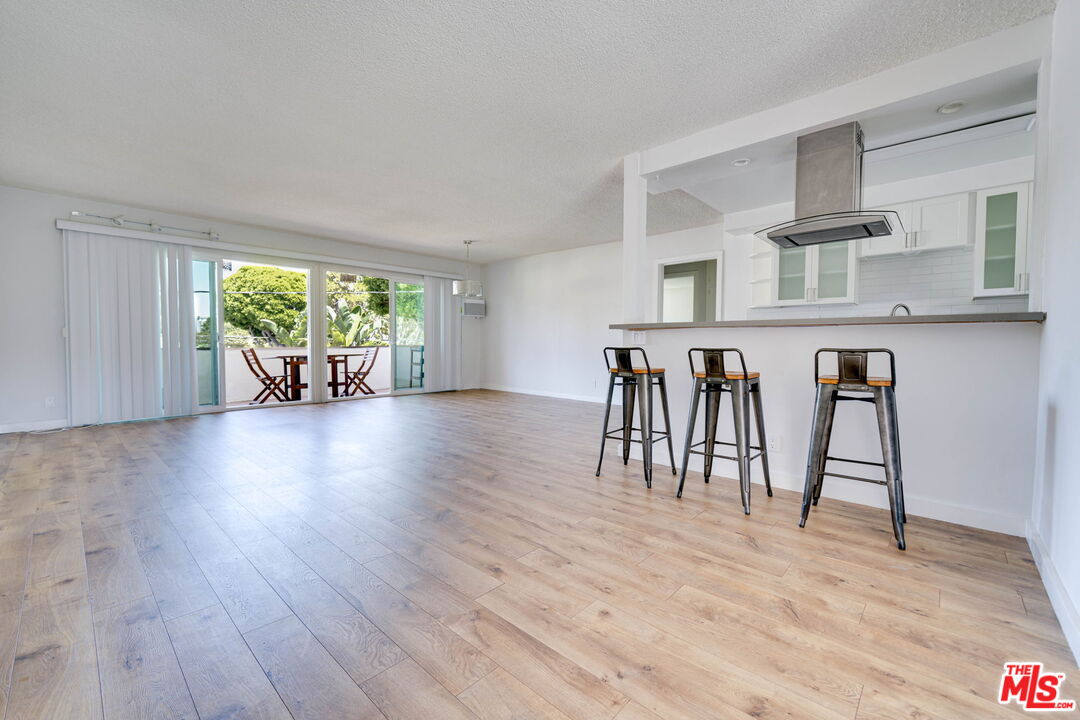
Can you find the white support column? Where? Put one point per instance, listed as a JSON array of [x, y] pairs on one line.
[[635, 285]]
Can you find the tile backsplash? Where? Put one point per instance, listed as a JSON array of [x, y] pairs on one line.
[[930, 283]]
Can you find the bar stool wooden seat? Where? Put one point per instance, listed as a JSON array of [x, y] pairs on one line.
[[714, 380], [852, 378], [637, 383]]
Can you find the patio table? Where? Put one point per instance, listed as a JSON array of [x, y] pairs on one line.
[[339, 372], [292, 364]]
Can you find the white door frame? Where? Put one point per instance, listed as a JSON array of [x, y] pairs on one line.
[[657, 309]]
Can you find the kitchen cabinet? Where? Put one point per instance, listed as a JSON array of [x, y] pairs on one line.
[[810, 275], [941, 222], [890, 244], [930, 224], [1001, 237]]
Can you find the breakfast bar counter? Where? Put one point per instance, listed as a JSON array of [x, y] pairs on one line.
[[966, 395], [1031, 317]]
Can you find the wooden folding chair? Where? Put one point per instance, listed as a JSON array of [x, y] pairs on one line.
[[274, 386], [355, 380]]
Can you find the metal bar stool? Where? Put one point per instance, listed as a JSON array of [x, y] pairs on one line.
[[637, 381], [852, 378], [714, 380]]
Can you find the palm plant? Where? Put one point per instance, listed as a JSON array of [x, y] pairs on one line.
[[296, 336], [357, 325]]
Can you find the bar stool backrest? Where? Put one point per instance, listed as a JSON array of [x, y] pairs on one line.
[[852, 367], [851, 364], [624, 360], [712, 360]]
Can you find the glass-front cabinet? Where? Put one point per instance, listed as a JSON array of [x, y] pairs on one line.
[[818, 274], [1001, 234], [833, 272], [792, 276]]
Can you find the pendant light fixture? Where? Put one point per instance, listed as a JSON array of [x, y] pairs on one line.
[[468, 288]]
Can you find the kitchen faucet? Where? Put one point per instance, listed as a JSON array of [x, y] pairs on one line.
[[897, 306]]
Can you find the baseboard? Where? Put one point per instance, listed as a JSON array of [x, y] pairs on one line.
[[964, 515], [34, 426], [1068, 614], [542, 393], [874, 496]]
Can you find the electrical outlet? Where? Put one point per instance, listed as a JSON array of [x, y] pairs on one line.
[[776, 443], [50, 402]]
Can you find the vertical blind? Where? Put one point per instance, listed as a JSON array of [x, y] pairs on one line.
[[442, 335], [131, 351]]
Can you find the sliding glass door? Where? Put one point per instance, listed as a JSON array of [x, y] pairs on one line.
[[255, 319], [265, 312], [374, 334], [358, 334]]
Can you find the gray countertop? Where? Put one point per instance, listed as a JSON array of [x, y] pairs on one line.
[[1035, 317]]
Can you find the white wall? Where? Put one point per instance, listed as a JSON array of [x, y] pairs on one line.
[[548, 314], [32, 365], [547, 321], [1055, 521]]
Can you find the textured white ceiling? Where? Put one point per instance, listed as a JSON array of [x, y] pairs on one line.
[[420, 124], [770, 176]]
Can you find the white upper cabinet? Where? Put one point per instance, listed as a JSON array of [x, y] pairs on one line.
[[810, 275], [931, 224], [1001, 236], [890, 244], [941, 222]]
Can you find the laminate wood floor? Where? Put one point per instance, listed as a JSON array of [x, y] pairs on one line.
[[452, 556]]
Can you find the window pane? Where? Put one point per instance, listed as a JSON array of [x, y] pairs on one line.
[[357, 334], [266, 314], [409, 328]]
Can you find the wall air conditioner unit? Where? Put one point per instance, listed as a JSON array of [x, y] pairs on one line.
[[474, 307]]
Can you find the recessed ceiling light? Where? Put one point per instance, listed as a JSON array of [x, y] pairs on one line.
[[741, 162], [950, 107]]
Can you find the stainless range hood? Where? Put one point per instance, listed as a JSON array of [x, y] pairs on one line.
[[828, 193]]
